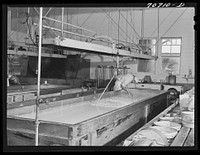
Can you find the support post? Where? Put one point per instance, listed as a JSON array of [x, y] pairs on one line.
[[28, 22], [157, 45], [38, 79], [9, 22], [62, 21], [146, 112], [117, 62], [142, 26]]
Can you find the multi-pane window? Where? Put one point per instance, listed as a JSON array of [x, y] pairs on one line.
[[171, 52], [149, 47]]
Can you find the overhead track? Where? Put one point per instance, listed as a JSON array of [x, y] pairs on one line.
[[65, 43], [69, 32], [70, 25]]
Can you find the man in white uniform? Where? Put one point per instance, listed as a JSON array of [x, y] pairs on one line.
[[123, 80]]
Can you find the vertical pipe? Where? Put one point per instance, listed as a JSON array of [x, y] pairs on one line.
[[126, 26], [9, 21], [108, 24], [17, 18], [146, 112], [28, 11], [67, 22], [132, 25], [142, 25], [142, 30], [62, 21], [118, 26], [157, 44], [158, 34], [38, 78], [118, 43], [117, 63]]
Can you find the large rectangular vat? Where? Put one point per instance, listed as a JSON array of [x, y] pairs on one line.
[[81, 121]]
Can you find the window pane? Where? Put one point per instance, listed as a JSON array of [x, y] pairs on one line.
[[169, 42], [178, 41], [171, 63], [164, 41], [173, 41], [176, 49], [165, 49]]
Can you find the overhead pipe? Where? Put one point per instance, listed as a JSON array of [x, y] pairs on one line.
[[56, 29]]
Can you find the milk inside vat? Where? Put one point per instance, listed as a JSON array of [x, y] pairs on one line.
[[87, 109]]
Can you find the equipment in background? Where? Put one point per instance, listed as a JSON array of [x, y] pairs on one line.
[[173, 94], [105, 73], [174, 90], [122, 81], [171, 79], [18, 65], [147, 79]]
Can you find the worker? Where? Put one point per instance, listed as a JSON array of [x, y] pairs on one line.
[[122, 82]]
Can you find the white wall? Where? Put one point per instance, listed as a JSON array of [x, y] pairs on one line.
[[183, 28]]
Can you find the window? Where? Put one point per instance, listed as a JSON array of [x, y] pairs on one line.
[[149, 47], [171, 52]]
